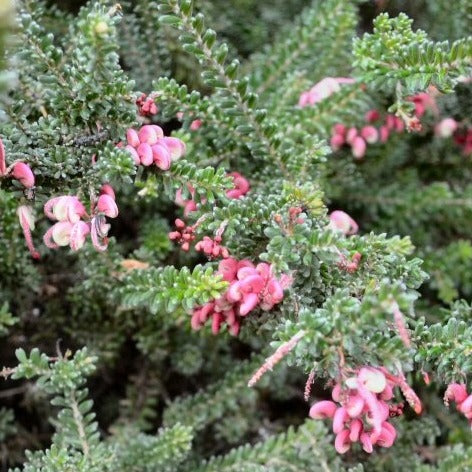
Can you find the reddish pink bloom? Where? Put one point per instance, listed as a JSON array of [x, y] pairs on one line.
[[241, 186], [342, 442], [359, 411], [371, 116], [149, 145], [250, 287], [341, 221], [183, 235], [351, 135], [336, 142], [195, 124], [146, 105], [27, 222], [370, 134], [23, 173]]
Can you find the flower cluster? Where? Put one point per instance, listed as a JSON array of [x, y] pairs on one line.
[[360, 409], [458, 394], [323, 89], [146, 105], [73, 224], [18, 170], [149, 145], [369, 134], [378, 128], [212, 247], [183, 234], [250, 287]]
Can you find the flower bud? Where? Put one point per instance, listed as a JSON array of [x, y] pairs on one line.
[[23, 173]]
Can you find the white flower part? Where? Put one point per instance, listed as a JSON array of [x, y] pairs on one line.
[[60, 208], [351, 382], [373, 380], [61, 233]]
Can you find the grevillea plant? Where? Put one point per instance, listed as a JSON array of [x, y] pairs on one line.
[[235, 236]]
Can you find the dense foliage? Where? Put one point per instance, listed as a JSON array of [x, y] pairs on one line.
[[235, 241]]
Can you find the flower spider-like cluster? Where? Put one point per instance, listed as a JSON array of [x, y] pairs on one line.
[[378, 128], [361, 408], [250, 287], [458, 394], [146, 105], [212, 247], [149, 145], [73, 224]]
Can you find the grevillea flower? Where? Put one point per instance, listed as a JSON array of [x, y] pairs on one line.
[[341, 221], [360, 410], [74, 224], [250, 287], [149, 145], [27, 222], [323, 89], [146, 105]]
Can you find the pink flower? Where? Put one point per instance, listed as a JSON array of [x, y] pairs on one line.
[[359, 411], [446, 128], [322, 409], [149, 145], [370, 134], [241, 186], [250, 287], [359, 147], [27, 222], [341, 221], [23, 173], [195, 124], [106, 205]]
